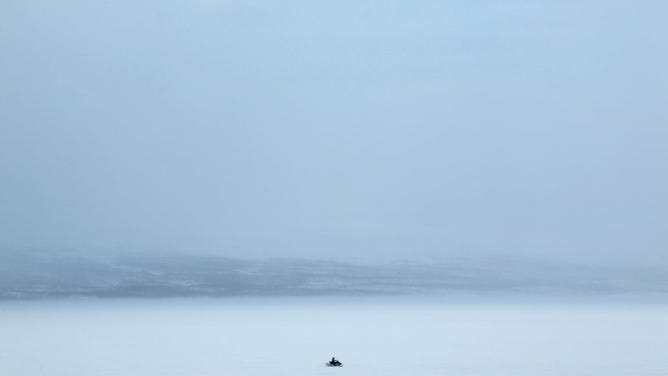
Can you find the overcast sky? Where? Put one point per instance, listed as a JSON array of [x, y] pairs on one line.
[[346, 129]]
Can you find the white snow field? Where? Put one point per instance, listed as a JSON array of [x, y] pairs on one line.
[[296, 336]]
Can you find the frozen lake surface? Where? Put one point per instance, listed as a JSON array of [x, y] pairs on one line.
[[406, 336]]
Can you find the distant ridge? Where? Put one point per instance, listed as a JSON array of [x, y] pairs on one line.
[[43, 275]]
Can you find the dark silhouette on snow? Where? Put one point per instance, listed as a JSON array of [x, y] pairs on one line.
[[334, 363]]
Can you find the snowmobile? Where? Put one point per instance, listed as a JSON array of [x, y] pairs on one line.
[[334, 363]]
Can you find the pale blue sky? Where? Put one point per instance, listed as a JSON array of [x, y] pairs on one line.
[[377, 129]]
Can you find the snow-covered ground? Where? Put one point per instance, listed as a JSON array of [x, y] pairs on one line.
[[372, 336]]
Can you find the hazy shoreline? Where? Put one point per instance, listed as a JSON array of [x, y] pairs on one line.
[[48, 276]]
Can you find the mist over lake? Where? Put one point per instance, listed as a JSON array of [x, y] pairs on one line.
[[252, 187]]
